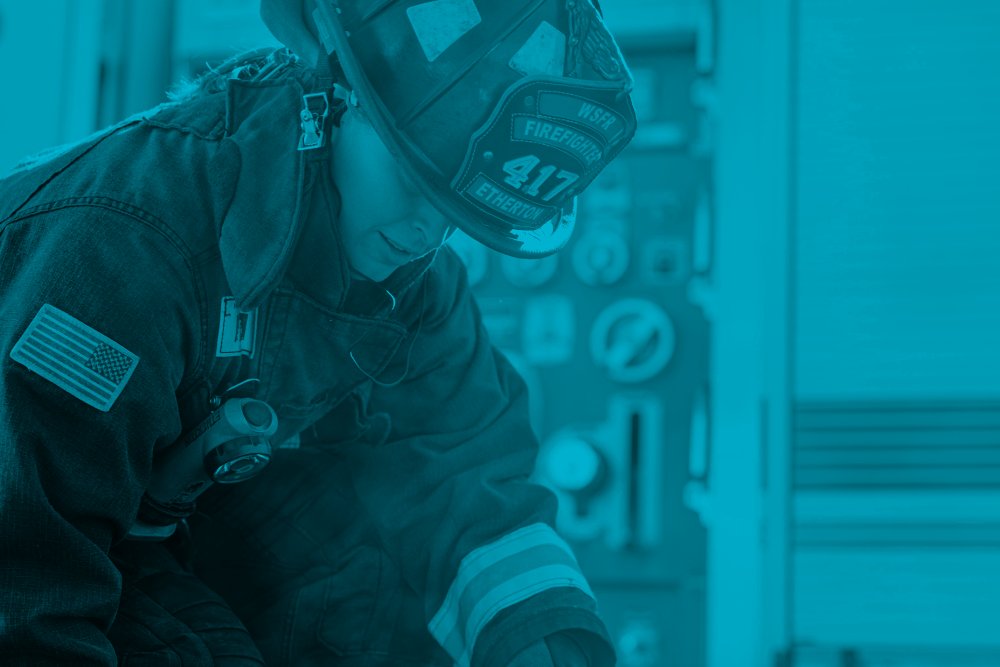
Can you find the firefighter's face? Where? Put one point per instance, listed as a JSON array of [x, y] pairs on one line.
[[384, 220]]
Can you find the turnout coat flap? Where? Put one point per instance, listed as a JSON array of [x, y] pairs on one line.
[[264, 219]]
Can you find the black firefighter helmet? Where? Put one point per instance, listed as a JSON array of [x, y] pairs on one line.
[[502, 111]]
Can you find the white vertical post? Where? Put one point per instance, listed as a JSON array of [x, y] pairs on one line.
[[748, 299]]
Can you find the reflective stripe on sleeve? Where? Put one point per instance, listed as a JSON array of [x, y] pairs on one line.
[[499, 575]]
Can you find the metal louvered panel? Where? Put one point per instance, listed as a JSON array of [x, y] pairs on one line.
[[896, 524], [855, 536], [910, 415], [919, 445], [846, 519]]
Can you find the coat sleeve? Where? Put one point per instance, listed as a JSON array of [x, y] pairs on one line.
[[450, 489], [95, 307]]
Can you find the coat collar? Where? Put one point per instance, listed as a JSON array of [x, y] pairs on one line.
[[268, 207], [282, 216]]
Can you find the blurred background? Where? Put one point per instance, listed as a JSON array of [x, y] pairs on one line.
[[766, 371]]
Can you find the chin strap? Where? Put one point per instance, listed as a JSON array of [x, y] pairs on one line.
[[323, 20]]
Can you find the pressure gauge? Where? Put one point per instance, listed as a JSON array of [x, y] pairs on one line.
[[573, 465], [633, 340], [600, 258]]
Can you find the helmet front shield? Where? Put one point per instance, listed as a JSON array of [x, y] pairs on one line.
[[502, 111]]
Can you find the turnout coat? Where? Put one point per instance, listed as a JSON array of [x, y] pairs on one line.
[[403, 453]]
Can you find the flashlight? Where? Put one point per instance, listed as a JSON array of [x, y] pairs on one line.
[[231, 445]]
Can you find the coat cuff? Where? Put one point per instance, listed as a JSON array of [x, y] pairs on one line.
[[499, 576], [549, 612]]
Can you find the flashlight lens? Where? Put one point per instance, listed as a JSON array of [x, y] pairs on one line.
[[240, 468]]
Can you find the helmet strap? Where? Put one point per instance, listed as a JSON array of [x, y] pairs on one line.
[[324, 25]]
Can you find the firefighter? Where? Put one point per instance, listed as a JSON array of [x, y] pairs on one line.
[[249, 412]]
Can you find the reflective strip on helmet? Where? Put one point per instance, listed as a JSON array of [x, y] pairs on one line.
[[441, 23], [543, 53], [500, 575]]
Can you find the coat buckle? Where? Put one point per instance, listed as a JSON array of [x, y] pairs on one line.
[[315, 110]]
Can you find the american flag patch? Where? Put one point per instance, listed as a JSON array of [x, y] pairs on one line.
[[75, 357]]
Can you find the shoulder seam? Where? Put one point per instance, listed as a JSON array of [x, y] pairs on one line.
[[215, 132], [151, 222], [96, 142]]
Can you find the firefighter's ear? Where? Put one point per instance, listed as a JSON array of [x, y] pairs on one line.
[[291, 23]]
